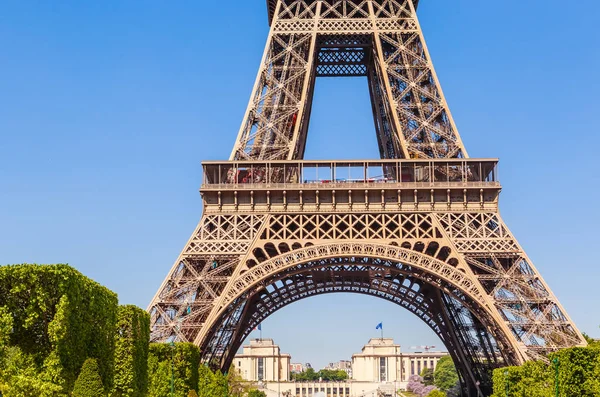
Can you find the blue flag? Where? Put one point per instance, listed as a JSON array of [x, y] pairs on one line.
[[260, 327], [379, 326]]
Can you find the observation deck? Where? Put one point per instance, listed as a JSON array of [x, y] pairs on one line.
[[272, 4], [351, 185]]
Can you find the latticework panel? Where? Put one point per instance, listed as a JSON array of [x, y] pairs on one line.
[[411, 114], [271, 123], [518, 290], [187, 296]]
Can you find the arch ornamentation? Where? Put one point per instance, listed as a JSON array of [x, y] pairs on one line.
[[282, 262]]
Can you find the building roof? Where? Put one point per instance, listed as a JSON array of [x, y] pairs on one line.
[[271, 4]]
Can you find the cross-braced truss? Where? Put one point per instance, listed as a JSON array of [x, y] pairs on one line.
[[380, 39], [420, 228]]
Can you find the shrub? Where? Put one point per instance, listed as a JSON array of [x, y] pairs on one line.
[[89, 382]]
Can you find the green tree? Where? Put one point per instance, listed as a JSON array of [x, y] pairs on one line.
[[309, 375], [256, 393], [131, 352], [183, 359], [89, 383], [445, 376], [20, 376], [238, 387], [206, 379], [427, 375]]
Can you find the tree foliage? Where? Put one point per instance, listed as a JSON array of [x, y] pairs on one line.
[[325, 374], [181, 360], [60, 318], [131, 352], [89, 383], [237, 385], [427, 375], [578, 375], [445, 376]]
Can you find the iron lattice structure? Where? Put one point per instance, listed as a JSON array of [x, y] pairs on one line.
[[419, 227]]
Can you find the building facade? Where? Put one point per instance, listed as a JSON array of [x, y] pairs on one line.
[[378, 370], [262, 361], [381, 360]]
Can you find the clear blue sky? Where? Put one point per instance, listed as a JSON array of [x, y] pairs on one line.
[[108, 107]]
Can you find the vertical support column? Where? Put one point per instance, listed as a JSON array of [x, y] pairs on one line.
[[422, 119], [274, 123], [300, 132], [436, 81], [380, 69]]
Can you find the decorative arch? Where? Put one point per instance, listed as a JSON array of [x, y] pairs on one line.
[[435, 291]]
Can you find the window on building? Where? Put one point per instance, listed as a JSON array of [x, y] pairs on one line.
[[347, 391], [419, 367], [297, 391], [239, 364], [412, 367], [382, 369], [425, 364], [261, 368], [432, 364]]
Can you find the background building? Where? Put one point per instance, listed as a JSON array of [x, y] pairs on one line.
[[343, 365], [262, 361], [381, 360], [378, 370]]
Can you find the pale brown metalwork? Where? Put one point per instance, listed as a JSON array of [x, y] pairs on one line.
[[420, 227]]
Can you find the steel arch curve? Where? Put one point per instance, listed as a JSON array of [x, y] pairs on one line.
[[241, 298]]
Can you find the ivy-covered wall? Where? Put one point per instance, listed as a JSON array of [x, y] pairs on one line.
[[131, 352], [59, 319]]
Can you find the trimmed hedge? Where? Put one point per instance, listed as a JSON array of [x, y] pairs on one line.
[[131, 352], [60, 318]]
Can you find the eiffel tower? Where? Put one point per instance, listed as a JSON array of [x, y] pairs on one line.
[[419, 227]]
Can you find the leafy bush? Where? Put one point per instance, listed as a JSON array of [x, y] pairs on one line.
[[131, 352], [579, 368], [89, 382], [181, 359]]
